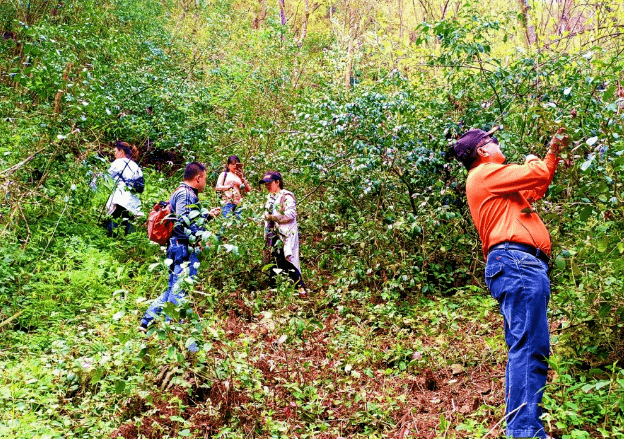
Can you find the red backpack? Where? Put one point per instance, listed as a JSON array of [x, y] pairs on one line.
[[159, 223]]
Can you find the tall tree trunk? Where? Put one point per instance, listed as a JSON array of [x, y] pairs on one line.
[[351, 23], [283, 12], [304, 26], [400, 8], [349, 66], [260, 16], [444, 8], [566, 15], [426, 15], [529, 31]]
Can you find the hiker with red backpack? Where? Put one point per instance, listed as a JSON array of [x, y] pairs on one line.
[[183, 244], [281, 232]]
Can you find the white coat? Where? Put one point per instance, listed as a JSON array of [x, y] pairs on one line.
[[283, 203], [120, 170]]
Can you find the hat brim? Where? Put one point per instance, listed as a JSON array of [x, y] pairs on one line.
[[266, 180]]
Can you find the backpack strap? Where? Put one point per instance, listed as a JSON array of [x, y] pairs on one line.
[[120, 176], [129, 184]]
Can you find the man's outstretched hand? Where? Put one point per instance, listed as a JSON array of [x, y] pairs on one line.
[[559, 142]]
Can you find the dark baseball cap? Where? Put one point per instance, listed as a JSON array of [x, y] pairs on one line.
[[465, 149], [271, 176]]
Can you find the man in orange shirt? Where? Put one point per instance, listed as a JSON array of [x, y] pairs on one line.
[[516, 245]]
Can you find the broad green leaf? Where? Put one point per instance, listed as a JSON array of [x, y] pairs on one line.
[[120, 385], [587, 387], [575, 269], [153, 266], [585, 213], [608, 93], [605, 310], [602, 245], [586, 164]]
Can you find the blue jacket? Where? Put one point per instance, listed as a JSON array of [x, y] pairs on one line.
[[184, 200]]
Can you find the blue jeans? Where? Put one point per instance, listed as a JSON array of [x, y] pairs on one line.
[[230, 208], [519, 282], [179, 253]]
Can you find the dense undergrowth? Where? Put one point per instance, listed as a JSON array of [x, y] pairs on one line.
[[398, 337]]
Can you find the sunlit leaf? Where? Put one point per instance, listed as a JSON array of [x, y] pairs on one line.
[[586, 164], [120, 385], [585, 213]]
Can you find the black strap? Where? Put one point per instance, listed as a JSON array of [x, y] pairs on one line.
[[120, 176], [525, 248]]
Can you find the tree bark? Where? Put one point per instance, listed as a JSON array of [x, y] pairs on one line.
[[349, 66], [400, 8], [304, 26], [260, 16], [283, 12], [529, 31], [426, 15], [351, 23], [444, 8]]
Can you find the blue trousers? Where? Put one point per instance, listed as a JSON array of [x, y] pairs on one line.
[[229, 208], [519, 282], [180, 254]]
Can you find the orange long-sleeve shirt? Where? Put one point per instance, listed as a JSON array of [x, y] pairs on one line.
[[498, 193]]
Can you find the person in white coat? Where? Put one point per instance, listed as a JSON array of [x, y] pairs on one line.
[[280, 229], [123, 204]]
